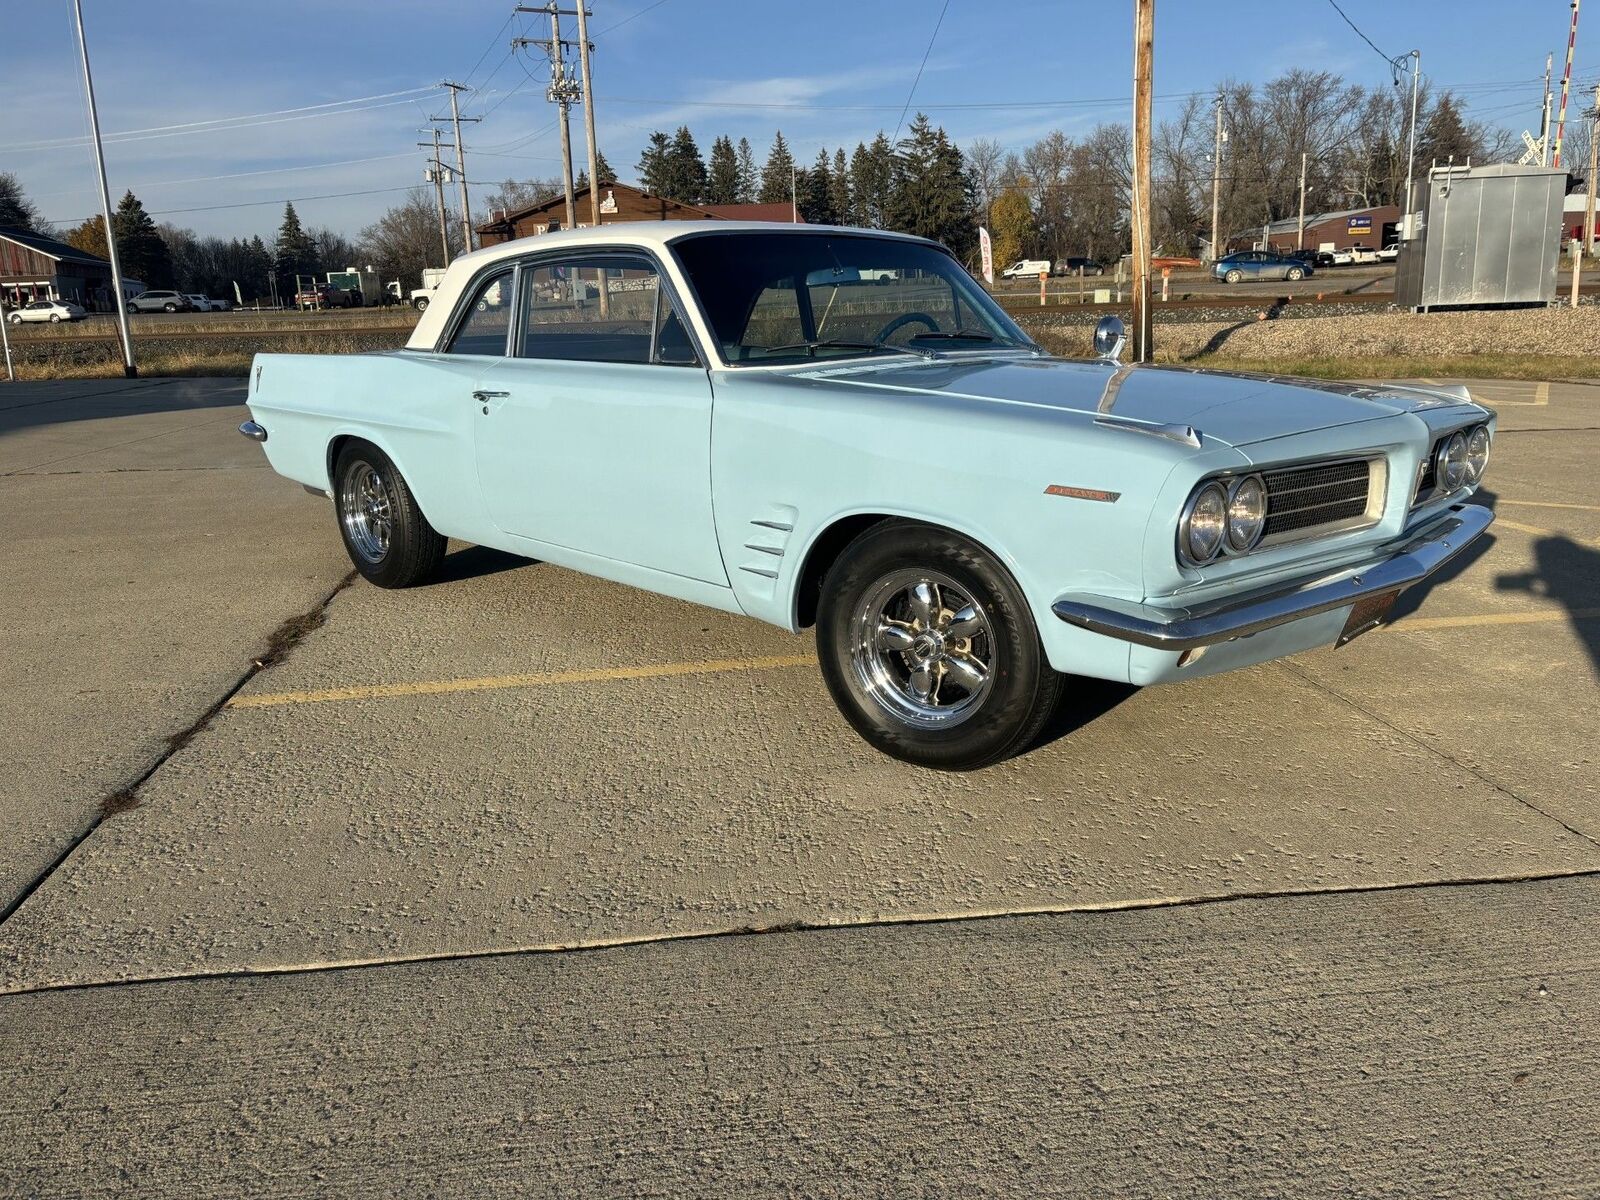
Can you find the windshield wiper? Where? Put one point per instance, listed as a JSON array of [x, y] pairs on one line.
[[811, 348]]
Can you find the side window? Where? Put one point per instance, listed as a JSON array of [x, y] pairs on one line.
[[606, 308], [487, 321]]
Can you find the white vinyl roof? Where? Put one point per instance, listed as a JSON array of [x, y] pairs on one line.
[[649, 235]]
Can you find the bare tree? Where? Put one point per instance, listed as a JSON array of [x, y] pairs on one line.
[[406, 238], [984, 159]]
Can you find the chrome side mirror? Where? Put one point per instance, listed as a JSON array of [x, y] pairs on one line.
[[1109, 339]]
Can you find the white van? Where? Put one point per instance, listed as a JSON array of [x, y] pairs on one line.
[[1026, 267]]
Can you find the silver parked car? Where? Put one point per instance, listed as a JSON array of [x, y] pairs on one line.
[[54, 311], [160, 302]]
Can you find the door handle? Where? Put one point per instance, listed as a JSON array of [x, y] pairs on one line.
[[482, 396]]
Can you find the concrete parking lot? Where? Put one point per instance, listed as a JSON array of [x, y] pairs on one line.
[[310, 888]]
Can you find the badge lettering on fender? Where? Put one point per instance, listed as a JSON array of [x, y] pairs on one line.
[[1078, 493]]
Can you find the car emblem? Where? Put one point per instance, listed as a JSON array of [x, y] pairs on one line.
[[1078, 493]]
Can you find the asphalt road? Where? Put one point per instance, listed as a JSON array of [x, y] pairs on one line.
[[443, 899]]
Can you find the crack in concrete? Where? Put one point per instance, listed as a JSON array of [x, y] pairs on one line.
[[906, 920], [1288, 665], [282, 640]]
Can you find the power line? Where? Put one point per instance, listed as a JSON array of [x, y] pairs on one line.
[[625, 20], [222, 124], [936, 26], [1388, 58], [168, 212], [493, 42]]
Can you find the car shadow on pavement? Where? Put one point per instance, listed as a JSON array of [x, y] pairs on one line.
[[1567, 572], [1415, 597], [1083, 702], [25, 406], [477, 562]]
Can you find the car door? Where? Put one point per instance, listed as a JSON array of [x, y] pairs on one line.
[[595, 434]]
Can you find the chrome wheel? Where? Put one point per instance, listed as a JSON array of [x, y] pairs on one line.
[[366, 507], [922, 648]]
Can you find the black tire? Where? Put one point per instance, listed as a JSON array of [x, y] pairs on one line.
[[1294, 274], [1233, 277], [420, 304], [398, 549], [169, 308], [55, 318], [874, 688]]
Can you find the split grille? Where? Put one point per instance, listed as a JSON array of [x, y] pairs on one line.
[[1303, 498]]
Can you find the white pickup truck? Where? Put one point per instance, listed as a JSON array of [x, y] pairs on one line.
[[423, 296]]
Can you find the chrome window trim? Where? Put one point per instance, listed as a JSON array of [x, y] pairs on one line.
[[463, 308], [538, 259]]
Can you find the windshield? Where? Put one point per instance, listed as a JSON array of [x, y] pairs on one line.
[[774, 298]]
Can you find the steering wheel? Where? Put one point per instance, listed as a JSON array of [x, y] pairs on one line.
[[903, 320]]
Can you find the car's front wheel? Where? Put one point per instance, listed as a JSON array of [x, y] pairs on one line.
[[1234, 276], [930, 650], [420, 304], [16, 318], [387, 537]]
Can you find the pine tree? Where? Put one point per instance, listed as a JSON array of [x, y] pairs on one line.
[[686, 170], [142, 252], [932, 195], [749, 182], [778, 176], [16, 209], [815, 193], [607, 175], [872, 178], [654, 164], [295, 254], [1445, 134], [722, 181], [840, 181]]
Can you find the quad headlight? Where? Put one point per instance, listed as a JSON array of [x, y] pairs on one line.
[[1205, 523], [1247, 512], [1477, 453], [1451, 467]]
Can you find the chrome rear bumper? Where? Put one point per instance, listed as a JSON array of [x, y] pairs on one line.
[[253, 431], [1397, 566]]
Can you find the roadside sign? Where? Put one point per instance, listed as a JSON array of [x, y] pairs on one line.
[[1044, 277], [987, 248], [1358, 226]]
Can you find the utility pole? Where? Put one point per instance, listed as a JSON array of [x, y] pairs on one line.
[[461, 162], [588, 114], [1144, 24], [129, 369], [1566, 82], [435, 174], [794, 195], [1544, 123], [1411, 141], [563, 90], [1594, 133], [1300, 230], [1216, 181]]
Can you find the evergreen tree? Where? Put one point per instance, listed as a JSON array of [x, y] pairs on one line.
[[1445, 134], [722, 180], [749, 182], [932, 194], [872, 177], [815, 193], [686, 170], [607, 175], [16, 209], [654, 165], [140, 247], [296, 254], [840, 184], [777, 177]]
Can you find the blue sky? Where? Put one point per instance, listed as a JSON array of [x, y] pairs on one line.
[[827, 72]]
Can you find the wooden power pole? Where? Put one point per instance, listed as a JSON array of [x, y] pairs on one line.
[[1216, 183], [1589, 184], [1144, 21]]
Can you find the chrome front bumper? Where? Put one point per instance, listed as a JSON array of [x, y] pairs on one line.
[[1397, 566]]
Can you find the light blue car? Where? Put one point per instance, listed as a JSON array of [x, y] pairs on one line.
[[840, 429]]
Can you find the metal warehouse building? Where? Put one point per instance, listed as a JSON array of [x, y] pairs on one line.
[[34, 267], [1373, 228]]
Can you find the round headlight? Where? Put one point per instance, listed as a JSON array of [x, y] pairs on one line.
[[1247, 513], [1205, 524], [1451, 468], [1477, 453]]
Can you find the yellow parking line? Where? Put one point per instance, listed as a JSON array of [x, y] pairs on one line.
[[1533, 618], [386, 691], [1547, 504]]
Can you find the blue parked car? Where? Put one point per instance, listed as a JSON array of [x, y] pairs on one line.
[[1260, 264], [840, 429]]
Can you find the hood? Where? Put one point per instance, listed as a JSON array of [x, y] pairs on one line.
[[1233, 408]]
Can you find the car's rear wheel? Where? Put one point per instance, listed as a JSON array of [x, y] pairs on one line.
[[930, 650], [1294, 274], [387, 537], [1234, 276]]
